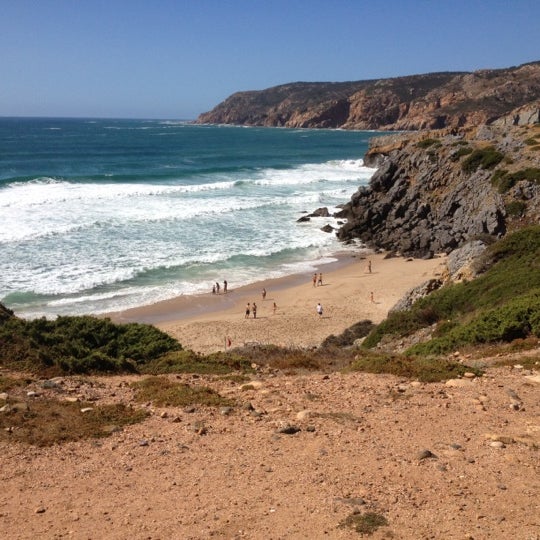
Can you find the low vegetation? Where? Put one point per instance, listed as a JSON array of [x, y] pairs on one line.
[[504, 181], [501, 305], [44, 422], [482, 158], [427, 143], [365, 524], [411, 367], [80, 345], [165, 393]]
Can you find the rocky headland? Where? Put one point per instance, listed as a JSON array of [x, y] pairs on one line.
[[434, 191], [427, 101]]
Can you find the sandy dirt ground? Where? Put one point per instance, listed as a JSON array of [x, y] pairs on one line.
[[297, 453], [454, 460]]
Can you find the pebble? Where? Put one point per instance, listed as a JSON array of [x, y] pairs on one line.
[[289, 430], [469, 375], [87, 409], [4, 396], [425, 454], [497, 444]]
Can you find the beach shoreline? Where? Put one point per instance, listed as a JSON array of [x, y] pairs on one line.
[[193, 306], [350, 293]]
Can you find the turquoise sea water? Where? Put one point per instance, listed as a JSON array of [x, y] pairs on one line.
[[102, 215]]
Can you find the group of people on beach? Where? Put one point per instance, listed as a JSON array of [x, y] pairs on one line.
[[251, 308], [317, 280], [216, 287]]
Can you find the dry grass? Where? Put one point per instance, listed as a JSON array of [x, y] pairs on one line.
[[45, 422], [366, 523], [164, 393]]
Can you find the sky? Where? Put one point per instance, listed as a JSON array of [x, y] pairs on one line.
[[178, 58]]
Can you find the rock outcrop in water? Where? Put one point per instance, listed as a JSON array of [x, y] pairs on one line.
[[434, 191], [429, 101]]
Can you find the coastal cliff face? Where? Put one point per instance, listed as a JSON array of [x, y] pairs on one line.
[[430, 101], [434, 191]]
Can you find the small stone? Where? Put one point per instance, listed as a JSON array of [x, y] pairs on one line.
[[143, 442], [289, 430], [32, 394], [226, 411], [164, 414], [3, 396], [518, 366], [40, 510], [87, 409], [469, 375], [425, 454], [497, 444], [302, 415]]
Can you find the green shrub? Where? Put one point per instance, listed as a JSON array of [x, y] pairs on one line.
[[483, 158], [502, 304], [80, 344], [411, 367], [515, 208], [505, 181], [517, 319], [463, 151], [426, 143]]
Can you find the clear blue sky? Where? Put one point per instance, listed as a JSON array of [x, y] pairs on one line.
[[178, 58]]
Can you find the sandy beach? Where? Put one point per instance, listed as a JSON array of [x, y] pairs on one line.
[[210, 322]]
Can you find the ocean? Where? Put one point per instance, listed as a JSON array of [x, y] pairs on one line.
[[104, 215]]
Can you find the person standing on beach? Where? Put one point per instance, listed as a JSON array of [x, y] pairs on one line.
[[369, 266], [315, 279], [224, 285], [320, 280], [319, 309], [263, 294], [274, 308], [248, 311], [254, 309], [217, 287]]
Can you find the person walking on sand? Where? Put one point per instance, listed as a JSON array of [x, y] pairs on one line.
[[319, 310], [263, 293], [371, 298], [369, 266], [254, 309], [217, 287], [225, 285], [319, 282], [248, 311], [274, 308], [315, 279]]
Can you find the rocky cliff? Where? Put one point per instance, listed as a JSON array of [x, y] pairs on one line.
[[434, 191], [430, 101]]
